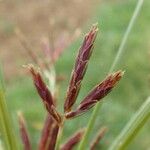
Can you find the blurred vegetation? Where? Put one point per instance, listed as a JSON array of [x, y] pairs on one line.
[[113, 18]]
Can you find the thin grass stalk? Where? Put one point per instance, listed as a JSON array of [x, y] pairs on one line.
[[129, 132], [3, 132], [8, 127], [114, 64], [1, 79], [126, 35], [2, 122], [5, 119], [1, 146], [90, 125]]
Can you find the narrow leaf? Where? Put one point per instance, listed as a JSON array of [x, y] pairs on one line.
[[135, 124]]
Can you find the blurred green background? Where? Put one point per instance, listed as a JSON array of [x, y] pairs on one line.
[[118, 107]]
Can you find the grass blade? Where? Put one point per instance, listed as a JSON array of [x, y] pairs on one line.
[[133, 127], [1, 147], [126, 35], [6, 128]]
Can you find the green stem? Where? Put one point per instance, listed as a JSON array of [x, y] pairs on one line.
[[116, 61], [126, 35], [88, 129], [1, 147], [6, 127], [3, 131], [133, 127]]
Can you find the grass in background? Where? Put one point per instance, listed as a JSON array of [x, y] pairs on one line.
[[113, 18]]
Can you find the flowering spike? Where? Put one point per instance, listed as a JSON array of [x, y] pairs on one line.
[[51, 142], [97, 93], [44, 93], [98, 138], [80, 68], [75, 139], [23, 132], [45, 132]]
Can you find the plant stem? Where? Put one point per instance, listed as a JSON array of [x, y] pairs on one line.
[[126, 35], [114, 64], [1, 147], [132, 127], [3, 131], [89, 128], [5, 124]]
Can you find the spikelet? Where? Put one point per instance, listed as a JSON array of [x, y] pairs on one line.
[[45, 132], [51, 142], [73, 141], [23, 132], [80, 68], [98, 138], [44, 93], [96, 94]]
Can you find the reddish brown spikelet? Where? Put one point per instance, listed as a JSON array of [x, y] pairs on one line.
[[45, 132], [44, 93], [41, 86], [80, 68], [97, 93], [98, 138], [23, 132], [51, 142], [75, 139]]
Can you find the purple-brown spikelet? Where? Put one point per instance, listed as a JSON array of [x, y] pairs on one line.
[[44, 93], [98, 138], [75, 139], [97, 93], [49, 134], [23, 132], [80, 68], [51, 142], [45, 132]]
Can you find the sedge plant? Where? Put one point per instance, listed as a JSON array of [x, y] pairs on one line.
[[53, 126], [54, 120]]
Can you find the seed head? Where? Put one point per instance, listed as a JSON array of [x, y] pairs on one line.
[[47, 128], [24, 132], [76, 138], [97, 93], [99, 136], [44, 93], [80, 68]]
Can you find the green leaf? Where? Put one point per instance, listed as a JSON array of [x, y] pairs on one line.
[[6, 126], [133, 127]]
